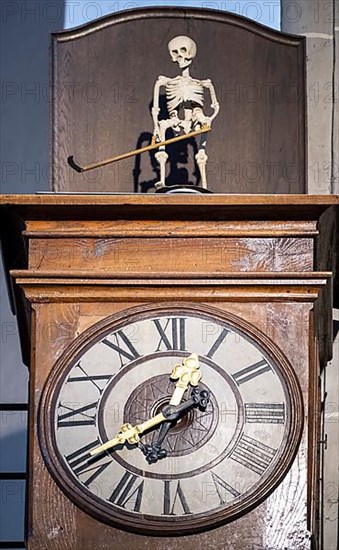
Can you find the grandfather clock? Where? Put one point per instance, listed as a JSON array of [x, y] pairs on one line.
[[174, 318], [119, 290]]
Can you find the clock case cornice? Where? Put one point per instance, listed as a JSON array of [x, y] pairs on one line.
[[88, 286], [199, 207], [298, 229]]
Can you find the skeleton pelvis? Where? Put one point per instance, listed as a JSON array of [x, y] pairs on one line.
[[191, 120]]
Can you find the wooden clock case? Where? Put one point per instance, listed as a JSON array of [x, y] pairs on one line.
[[74, 261]]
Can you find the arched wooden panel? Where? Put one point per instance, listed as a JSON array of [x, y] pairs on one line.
[[103, 77]]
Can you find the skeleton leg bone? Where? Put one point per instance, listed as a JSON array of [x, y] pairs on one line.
[[201, 159], [187, 124], [161, 157]]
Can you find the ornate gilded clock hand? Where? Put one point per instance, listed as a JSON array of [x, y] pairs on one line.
[[187, 373]]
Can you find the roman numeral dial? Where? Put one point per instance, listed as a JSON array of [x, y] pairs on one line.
[[253, 454], [174, 498], [128, 487], [217, 459], [77, 416], [123, 346], [172, 335], [265, 413], [252, 371]]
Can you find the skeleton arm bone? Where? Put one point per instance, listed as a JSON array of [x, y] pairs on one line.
[[214, 102], [161, 81]]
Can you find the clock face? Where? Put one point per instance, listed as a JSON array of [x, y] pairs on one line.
[[222, 460]]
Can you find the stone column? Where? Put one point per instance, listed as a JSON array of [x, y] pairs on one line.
[[318, 21], [336, 99]]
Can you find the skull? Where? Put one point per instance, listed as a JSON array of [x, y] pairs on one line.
[[182, 50]]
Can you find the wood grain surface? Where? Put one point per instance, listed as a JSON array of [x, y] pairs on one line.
[[163, 254]]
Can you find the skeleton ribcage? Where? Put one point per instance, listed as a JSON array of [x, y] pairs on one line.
[[182, 89]]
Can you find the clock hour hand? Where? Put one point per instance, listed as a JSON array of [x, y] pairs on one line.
[[199, 398]]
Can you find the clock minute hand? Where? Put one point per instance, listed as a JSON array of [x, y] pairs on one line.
[[187, 373]]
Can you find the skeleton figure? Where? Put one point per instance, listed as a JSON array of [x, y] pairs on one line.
[[183, 93]]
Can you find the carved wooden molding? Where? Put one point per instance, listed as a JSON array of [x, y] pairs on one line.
[[266, 287], [173, 13], [154, 228]]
